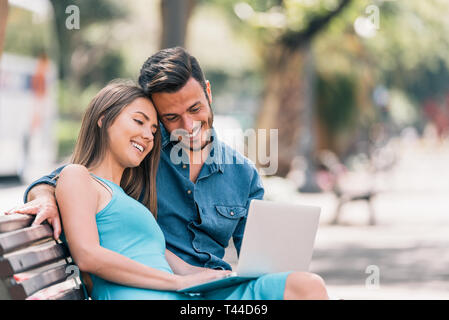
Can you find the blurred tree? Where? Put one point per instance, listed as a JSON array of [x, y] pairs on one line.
[[396, 44], [78, 56], [413, 42], [89, 57], [285, 30], [335, 92], [3, 19], [175, 17], [405, 52]]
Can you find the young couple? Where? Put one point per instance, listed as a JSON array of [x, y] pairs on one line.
[[134, 242]]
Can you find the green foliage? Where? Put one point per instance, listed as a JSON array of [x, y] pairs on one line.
[[336, 100], [86, 61], [408, 51], [67, 135], [73, 101], [412, 46], [93, 14], [37, 38], [424, 83], [271, 20], [110, 66]]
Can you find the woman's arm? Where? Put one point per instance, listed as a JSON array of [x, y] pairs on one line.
[[77, 200], [179, 266]]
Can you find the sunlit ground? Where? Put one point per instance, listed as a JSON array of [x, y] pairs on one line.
[[407, 246]]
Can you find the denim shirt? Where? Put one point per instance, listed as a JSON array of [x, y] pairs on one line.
[[198, 219]]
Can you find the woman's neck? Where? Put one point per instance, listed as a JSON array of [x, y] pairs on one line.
[[108, 169]]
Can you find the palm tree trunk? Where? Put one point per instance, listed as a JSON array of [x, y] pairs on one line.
[[288, 103]]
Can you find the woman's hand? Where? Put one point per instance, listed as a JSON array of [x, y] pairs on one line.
[[200, 277]]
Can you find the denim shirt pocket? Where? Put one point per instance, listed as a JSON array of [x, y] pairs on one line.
[[231, 212], [226, 219]]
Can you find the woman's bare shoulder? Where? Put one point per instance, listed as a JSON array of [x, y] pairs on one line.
[[74, 170], [74, 175], [75, 188]]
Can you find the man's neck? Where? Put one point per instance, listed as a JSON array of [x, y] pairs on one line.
[[198, 157]]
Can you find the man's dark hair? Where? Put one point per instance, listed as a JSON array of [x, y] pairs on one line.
[[168, 70]]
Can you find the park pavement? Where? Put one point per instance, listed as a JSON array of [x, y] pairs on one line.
[[408, 247], [406, 254]]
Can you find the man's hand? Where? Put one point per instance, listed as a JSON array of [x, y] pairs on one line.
[[42, 203]]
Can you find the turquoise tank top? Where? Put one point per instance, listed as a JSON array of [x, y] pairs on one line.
[[127, 227]]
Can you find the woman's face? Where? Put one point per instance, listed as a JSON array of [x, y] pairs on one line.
[[131, 135]]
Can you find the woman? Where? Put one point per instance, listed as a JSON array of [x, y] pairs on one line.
[[111, 235]]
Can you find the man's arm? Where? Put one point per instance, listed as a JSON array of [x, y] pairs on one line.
[[40, 200], [46, 183]]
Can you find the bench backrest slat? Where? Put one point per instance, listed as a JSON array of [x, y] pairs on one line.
[[21, 262], [14, 222], [13, 240]]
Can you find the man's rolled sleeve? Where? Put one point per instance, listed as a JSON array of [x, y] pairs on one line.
[[48, 179]]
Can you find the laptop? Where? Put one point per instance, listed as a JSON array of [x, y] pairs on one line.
[[278, 237]]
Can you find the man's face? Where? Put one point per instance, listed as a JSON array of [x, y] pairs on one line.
[[187, 113]]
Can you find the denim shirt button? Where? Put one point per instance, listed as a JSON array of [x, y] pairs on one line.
[[232, 213], [184, 166], [189, 191]]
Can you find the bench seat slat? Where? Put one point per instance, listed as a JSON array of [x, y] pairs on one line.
[[25, 261], [20, 291], [14, 222], [15, 239]]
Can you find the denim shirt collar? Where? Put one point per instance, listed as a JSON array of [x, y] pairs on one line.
[[214, 162]]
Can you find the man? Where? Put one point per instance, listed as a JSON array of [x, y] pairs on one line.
[[202, 203]]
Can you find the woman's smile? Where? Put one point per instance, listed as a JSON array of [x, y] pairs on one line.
[[141, 148]]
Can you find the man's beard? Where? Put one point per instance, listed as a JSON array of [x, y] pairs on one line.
[[191, 146]]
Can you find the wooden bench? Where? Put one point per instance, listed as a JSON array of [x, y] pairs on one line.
[[330, 162], [344, 198], [33, 265]]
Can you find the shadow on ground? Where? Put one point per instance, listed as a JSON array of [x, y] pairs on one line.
[[348, 265]]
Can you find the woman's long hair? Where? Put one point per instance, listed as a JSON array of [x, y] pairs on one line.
[[93, 141]]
